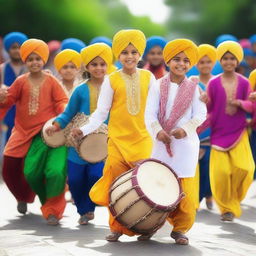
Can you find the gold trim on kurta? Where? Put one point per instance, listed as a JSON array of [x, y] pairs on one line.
[[33, 104], [132, 85], [94, 93]]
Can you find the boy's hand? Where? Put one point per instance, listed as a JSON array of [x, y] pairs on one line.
[[178, 133], [77, 133], [3, 94], [235, 103], [164, 137], [204, 97], [252, 96], [51, 130]]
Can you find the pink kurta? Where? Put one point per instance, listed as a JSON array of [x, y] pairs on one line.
[[34, 107]]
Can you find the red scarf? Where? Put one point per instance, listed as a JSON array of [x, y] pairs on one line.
[[181, 103]]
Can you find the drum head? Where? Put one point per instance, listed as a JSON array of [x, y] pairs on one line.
[[158, 183], [94, 148], [56, 140]]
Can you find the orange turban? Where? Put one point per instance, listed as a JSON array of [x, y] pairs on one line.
[[97, 50], [34, 45], [66, 56], [207, 50], [128, 36], [181, 45], [232, 47]]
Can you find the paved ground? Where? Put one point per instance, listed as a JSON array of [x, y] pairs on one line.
[[29, 235]]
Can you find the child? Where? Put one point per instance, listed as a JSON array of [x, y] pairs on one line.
[[68, 63], [123, 94], [154, 56], [81, 174], [206, 62], [231, 161], [173, 112], [11, 69], [38, 97]]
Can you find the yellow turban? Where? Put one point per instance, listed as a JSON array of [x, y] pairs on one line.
[[97, 50], [34, 45], [128, 36], [232, 47], [66, 56], [252, 79], [181, 45], [207, 50]]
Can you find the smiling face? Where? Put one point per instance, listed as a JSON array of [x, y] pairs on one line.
[[97, 68], [34, 63], [129, 58], [179, 64], [205, 65], [69, 71], [155, 56], [229, 62]]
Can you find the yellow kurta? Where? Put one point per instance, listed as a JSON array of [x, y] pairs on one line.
[[129, 140]]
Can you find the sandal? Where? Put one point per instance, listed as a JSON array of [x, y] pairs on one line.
[[179, 238], [22, 207], [52, 220], [209, 203], [83, 220], [113, 237], [227, 216], [90, 215]]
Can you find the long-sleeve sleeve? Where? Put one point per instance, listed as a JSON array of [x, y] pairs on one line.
[[14, 92], [199, 113], [152, 109], [70, 111], [103, 107], [59, 96]]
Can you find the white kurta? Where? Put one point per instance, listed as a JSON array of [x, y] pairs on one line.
[[185, 151]]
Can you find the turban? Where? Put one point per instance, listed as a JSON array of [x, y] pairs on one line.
[[154, 41], [226, 37], [54, 45], [248, 52], [181, 45], [207, 50], [73, 44], [101, 39], [36, 46], [253, 39], [232, 47], [128, 36], [97, 50], [245, 43], [14, 37], [66, 56], [252, 79]]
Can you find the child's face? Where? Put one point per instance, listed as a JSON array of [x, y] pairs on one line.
[[34, 63], [179, 64], [69, 71], [155, 56], [229, 62], [14, 52], [129, 57], [205, 65], [97, 68]]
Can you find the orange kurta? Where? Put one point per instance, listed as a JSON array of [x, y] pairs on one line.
[[34, 107]]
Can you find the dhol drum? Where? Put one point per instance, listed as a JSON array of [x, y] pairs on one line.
[[56, 140], [93, 147], [142, 198]]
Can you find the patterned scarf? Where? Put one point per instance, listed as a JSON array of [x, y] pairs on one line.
[[181, 103]]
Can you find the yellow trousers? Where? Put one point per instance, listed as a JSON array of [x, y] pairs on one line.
[[231, 174], [115, 165], [184, 215]]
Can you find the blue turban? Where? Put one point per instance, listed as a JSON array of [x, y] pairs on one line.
[[154, 41], [14, 37], [248, 52], [101, 39], [253, 39], [73, 44], [226, 37]]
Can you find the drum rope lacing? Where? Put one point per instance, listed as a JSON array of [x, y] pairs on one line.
[[122, 182]]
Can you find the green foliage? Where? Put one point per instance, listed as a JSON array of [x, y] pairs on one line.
[[59, 19]]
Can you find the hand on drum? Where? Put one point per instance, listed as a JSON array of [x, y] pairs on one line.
[[51, 130], [164, 137], [252, 96], [77, 133], [178, 133]]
